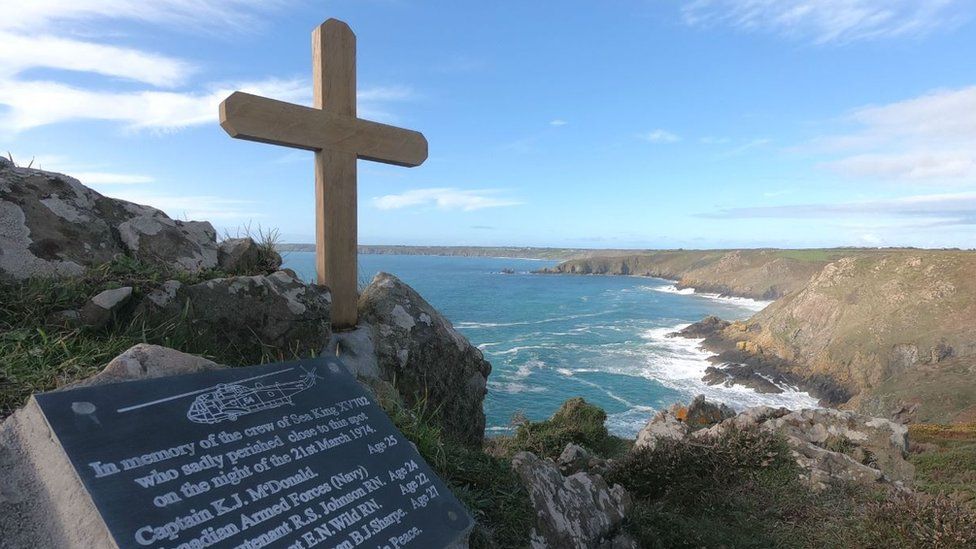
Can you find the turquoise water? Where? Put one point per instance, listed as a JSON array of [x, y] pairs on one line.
[[553, 337]]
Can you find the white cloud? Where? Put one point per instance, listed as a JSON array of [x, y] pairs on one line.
[[825, 21], [445, 198], [22, 52], [930, 138], [111, 178], [910, 165], [183, 14], [203, 207], [385, 93], [925, 210], [558, 122], [659, 136], [33, 104]]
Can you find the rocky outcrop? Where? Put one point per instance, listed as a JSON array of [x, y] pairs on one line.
[[678, 420], [575, 511], [663, 426], [276, 311], [833, 444], [242, 255], [874, 332], [52, 225], [427, 358], [827, 444], [574, 458]]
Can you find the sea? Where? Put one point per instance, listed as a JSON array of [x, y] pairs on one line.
[[553, 337]]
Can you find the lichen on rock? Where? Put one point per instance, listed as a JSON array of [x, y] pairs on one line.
[[429, 361]]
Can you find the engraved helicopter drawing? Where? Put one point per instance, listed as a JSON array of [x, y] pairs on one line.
[[229, 401]]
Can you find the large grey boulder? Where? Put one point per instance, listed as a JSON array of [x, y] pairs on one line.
[[575, 511], [42, 500], [419, 351], [52, 225], [276, 311]]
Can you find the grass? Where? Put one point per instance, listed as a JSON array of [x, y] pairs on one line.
[[38, 353], [267, 258], [743, 490], [485, 484], [945, 464]]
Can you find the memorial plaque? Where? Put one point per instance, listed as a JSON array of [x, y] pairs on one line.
[[292, 455]]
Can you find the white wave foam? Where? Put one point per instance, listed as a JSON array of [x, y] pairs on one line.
[[514, 387], [672, 289], [469, 325], [744, 302], [629, 422], [680, 363]]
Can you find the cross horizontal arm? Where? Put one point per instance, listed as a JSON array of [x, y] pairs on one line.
[[255, 118]]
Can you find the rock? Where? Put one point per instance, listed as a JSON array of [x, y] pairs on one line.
[[573, 459], [42, 500], [701, 413], [575, 511], [100, 309], [677, 421], [663, 426], [277, 311], [832, 444], [68, 318], [707, 327], [52, 225], [740, 374], [145, 361], [419, 351], [243, 254], [357, 351]]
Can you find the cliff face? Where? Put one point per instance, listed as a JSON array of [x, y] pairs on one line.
[[895, 328], [757, 274], [882, 331]]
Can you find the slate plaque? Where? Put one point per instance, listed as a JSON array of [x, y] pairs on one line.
[[293, 455]]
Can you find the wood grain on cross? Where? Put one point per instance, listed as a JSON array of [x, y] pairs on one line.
[[338, 137]]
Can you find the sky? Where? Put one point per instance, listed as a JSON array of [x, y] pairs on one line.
[[611, 124]]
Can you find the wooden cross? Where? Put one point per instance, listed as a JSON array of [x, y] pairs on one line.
[[338, 137]]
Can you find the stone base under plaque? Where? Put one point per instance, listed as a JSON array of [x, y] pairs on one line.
[[42, 500]]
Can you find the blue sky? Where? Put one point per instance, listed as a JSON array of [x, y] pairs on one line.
[[718, 123]]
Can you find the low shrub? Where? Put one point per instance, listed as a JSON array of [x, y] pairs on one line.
[[576, 421]]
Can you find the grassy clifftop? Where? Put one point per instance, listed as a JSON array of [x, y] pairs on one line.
[[758, 274], [894, 327]]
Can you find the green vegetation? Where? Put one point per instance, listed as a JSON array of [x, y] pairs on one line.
[[743, 489], [946, 461], [484, 483], [38, 352], [576, 421]]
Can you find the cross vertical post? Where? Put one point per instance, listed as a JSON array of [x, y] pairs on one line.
[[338, 137], [336, 250]]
